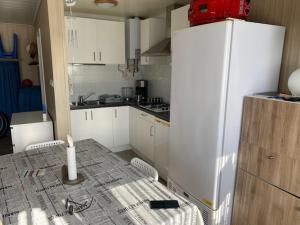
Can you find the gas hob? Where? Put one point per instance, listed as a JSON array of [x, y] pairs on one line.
[[157, 107]]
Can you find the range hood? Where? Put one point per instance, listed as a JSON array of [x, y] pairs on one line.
[[163, 48]]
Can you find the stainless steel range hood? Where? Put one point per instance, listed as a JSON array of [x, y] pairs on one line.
[[163, 48]]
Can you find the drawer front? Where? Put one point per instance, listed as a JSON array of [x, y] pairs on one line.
[[259, 203], [270, 142]]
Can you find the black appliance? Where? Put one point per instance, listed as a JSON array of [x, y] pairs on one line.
[[141, 90]]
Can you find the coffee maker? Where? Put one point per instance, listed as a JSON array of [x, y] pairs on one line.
[[141, 91]]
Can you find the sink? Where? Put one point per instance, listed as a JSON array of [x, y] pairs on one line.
[[92, 103]]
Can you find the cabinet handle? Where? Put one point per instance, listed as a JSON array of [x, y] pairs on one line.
[[116, 113], [76, 42], [94, 56], [85, 115], [271, 157], [100, 56], [92, 116], [151, 129]]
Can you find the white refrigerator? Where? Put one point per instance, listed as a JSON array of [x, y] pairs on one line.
[[213, 67]]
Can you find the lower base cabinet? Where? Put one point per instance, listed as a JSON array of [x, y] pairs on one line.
[[108, 126], [259, 203]]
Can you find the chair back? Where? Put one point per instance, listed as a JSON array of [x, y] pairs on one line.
[[44, 144], [145, 168]]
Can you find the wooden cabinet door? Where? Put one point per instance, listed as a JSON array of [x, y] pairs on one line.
[[102, 126], [110, 42], [259, 203], [270, 142], [80, 124], [161, 147], [81, 40], [121, 126]]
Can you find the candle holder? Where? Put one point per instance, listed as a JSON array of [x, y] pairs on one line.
[[79, 180]]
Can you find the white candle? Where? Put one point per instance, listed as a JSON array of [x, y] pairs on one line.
[[71, 157]]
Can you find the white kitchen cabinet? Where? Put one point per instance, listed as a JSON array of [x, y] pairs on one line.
[[101, 126], [93, 41], [161, 147], [92, 123], [145, 135], [179, 18], [81, 40], [80, 124], [121, 126], [153, 31], [110, 42], [133, 127]]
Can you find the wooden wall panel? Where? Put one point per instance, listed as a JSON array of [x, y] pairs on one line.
[[25, 35], [50, 20], [285, 13]]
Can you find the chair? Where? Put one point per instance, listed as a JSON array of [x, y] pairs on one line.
[[44, 144], [145, 168]]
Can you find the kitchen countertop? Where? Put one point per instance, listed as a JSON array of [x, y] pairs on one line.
[[162, 115]]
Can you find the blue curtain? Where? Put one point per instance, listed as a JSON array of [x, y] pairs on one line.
[[30, 99], [9, 87]]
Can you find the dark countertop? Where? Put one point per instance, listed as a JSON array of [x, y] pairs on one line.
[[163, 115]]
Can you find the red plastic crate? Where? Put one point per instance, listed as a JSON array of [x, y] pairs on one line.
[[208, 11]]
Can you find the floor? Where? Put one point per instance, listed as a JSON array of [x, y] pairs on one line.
[[6, 145], [129, 154]]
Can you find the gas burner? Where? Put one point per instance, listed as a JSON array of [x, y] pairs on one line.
[[157, 107]]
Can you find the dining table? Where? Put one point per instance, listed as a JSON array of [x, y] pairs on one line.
[[32, 190]]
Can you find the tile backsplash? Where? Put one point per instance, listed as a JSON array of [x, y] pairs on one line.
[[99, 79], [108, 80]]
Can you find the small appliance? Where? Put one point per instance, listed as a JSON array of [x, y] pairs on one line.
[[105, 99], [209, 11], [141, 90], [158, 108], [127, 93]]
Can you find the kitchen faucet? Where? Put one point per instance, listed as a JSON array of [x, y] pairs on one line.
[[82, 99]]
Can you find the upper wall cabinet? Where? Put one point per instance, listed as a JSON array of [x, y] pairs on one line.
[[179, 18], [93, 41], [153, 31]]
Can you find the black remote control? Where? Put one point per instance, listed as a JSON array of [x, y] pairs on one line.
[[164, 204]]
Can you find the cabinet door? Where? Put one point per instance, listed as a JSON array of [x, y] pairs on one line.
[[179, 18], [110, 42], [259, 203], [133, 125], [145, 141], [121, 126], [81, 40], [80, 124], [161, 147], [101, 126], [269, 146]]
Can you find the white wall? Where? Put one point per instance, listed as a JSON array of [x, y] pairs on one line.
[[159, 77], [99, 79]]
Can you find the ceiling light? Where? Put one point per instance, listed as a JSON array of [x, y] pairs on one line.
[[106, 4]]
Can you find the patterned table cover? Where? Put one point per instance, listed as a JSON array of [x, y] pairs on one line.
[[119, 192]]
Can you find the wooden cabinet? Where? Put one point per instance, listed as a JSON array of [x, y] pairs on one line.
[[93, 41], [270, 142], [269, 163], [153, 31], [161, 147], [259, 203], [179, 18], [121, 126]]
